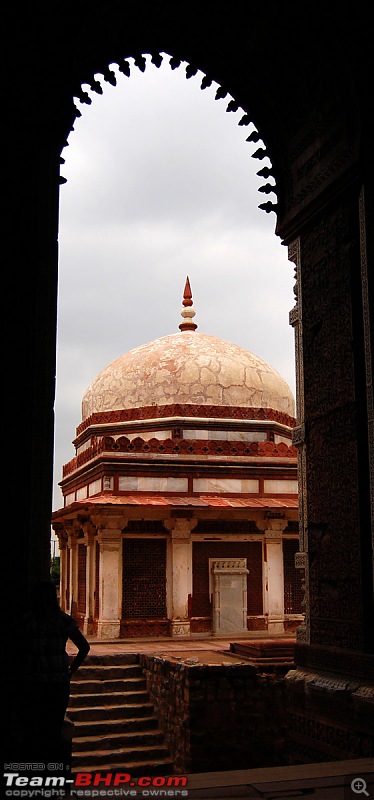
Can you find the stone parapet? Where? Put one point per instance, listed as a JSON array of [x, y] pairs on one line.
[[330, 716], [229, 715]]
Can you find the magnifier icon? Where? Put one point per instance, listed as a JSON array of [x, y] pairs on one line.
[[358, 786]]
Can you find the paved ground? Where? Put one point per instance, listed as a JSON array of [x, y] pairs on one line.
[[199, 647], [159, 645]]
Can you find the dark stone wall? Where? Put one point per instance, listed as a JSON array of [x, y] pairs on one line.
[[218, 717], [330, 717], [340, 589]]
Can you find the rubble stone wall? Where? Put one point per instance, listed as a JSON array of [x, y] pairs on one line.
[[217, 717]]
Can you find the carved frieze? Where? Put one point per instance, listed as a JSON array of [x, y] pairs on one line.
[[298, 435], [231, 565], [184, 410], [179, 447], [301, 560]]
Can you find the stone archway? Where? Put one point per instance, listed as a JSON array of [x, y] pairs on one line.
[[304, 83]]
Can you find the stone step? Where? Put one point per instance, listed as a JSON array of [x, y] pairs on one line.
[[117, 740], [109, 686], [110, 712], [106, 671], [115, 726], [112, 660], [157, 766], [101, 727], [123, 756], [111, 698]]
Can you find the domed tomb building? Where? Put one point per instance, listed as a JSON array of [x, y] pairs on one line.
[[180, 512]]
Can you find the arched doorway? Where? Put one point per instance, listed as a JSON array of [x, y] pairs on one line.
[[161, 179], [304, 81], [175, 190]]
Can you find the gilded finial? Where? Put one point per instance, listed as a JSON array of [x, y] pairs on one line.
[[188, 312]]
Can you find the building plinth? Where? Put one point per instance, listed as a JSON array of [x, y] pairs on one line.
[[180, 628]]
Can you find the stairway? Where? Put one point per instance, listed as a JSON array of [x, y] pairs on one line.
[[115, 727]]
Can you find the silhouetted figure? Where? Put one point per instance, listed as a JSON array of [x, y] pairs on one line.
[[46, 672]]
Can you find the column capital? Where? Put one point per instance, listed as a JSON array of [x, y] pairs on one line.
[[72, 529], [180, 528], [275, 528], [109, 538], [90, 531], [107, 522], [61, 534]]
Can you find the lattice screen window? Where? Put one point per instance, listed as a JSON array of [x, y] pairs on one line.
[[293, 593], [144, 579]]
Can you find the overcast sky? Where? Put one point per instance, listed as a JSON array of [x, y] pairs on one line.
[[161, 185]]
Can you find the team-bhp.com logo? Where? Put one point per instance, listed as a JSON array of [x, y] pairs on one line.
[[94, 785]]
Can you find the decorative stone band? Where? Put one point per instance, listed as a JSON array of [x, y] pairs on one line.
[[185, 410], [294, 316], [182, 447], [229, 565], [301, 560], [298, 435]]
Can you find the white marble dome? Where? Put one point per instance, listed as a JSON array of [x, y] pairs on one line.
[[188, 367]]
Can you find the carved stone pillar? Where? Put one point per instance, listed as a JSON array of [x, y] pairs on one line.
[[64, 554], [334, 432], [179, 571], [73, 532], [110, 542], [274, 577], [334, 438], [89, 540], [298, 439]]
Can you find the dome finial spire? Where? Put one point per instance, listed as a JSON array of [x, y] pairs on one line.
[[188, 312]]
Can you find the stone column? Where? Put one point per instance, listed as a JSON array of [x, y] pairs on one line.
[[179, 572], [274, 577], [64, 553], [89, 540], [110, 541], [298, 439], [334, 434], [73, 555]]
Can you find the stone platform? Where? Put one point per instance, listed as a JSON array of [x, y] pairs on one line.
[[266, 652]]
